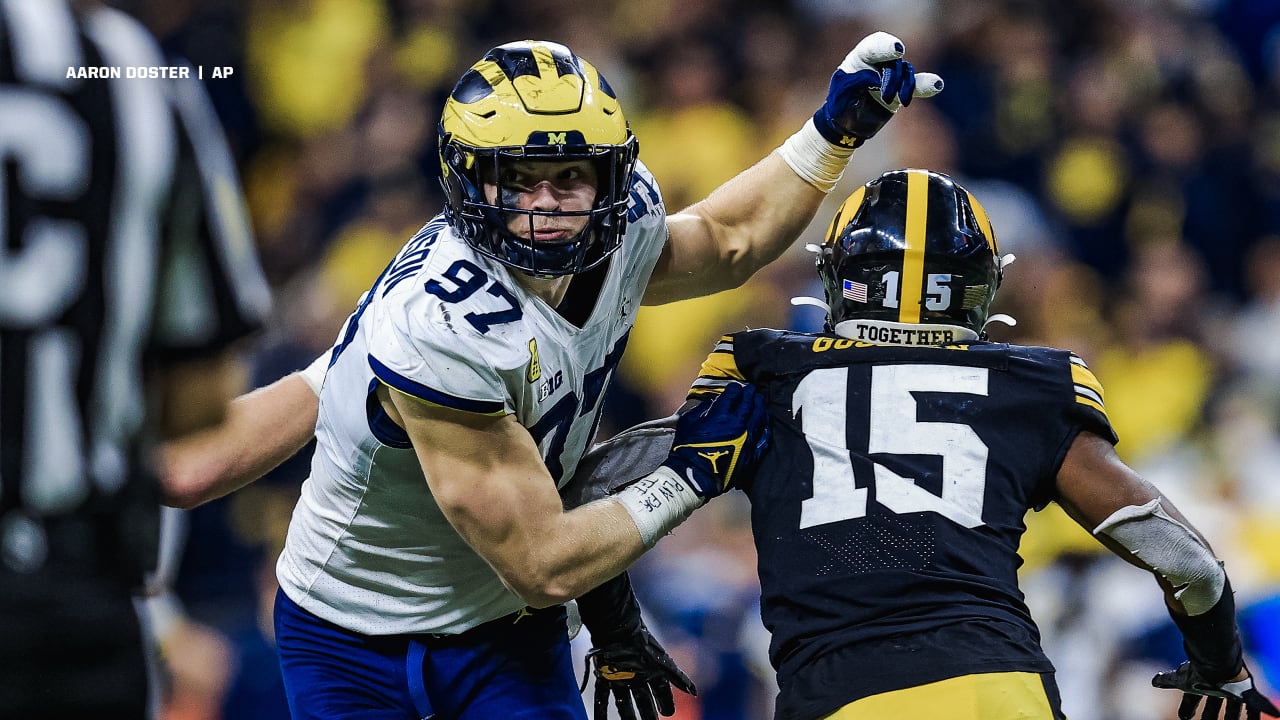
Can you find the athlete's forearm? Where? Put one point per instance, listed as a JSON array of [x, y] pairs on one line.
[[720, 242], [511, 515], [261, 430], [760, 212], [599, 541]]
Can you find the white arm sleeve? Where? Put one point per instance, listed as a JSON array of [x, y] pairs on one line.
[[1171, 549], [314, 373]]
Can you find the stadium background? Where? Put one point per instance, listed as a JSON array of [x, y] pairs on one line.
[[1128, 152]]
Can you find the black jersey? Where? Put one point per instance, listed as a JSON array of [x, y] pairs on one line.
[[123, 242], [888, 510]]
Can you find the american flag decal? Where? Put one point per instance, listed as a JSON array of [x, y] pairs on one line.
[[854, 291]]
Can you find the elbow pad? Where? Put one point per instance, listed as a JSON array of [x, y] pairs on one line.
[[1209, 633], [1171, 549]]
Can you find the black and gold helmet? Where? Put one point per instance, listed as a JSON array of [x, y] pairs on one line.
[[534, 100], [910, 248]]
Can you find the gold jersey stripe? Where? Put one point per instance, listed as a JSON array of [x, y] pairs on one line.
[[1088, 389], [719, 366], [1089, 394], [1083, 400], [913, 254], [1082, 375]]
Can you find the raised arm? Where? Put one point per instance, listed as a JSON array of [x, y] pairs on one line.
[[261, 429], [1134, 520], [719, 242]]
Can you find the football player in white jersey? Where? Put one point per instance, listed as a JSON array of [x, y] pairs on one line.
[[466, 386]]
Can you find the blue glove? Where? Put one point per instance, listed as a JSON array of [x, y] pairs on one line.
[[868, 88], [718, 443]]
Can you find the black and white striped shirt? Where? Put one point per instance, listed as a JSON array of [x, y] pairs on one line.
[[123, 242]]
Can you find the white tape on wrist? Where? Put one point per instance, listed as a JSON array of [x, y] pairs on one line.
[[815, 160], [658, 502]]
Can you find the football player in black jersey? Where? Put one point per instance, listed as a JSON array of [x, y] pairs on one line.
[[906, 451]]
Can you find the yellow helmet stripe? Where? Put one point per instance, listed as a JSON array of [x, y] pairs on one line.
[[984, 223], [913, 255], [847, 210], [545, 60], [492, 73]]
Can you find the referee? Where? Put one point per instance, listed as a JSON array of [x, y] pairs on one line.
[[127, 269]]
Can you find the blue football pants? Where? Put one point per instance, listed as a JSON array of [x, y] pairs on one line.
[[514, 667]]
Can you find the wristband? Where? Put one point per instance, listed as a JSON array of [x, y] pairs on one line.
[[611, 612], [658, 502], [1211, 639], [813, 158]]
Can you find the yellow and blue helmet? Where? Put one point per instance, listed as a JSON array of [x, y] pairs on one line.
[[911, 247], [533, 100]]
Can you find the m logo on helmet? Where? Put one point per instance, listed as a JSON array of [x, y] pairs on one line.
[[561, 137]]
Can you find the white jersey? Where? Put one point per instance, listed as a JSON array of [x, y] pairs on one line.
[[368, 548]]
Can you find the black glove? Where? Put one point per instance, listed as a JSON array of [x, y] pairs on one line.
[[639, 674], [1237, 695], [628, 662]]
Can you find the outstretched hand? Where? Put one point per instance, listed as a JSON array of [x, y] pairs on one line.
[[872, 82], [1221, 700]]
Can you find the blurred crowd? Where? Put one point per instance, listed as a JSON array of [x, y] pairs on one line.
[[1127, 151]]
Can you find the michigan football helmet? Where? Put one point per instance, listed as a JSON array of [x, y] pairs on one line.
[[910, 249], [526, 101]]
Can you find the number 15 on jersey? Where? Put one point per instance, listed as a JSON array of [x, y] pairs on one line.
[[892, 428]]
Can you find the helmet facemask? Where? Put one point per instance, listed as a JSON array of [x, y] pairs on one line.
[[503, 231], [526, 102]]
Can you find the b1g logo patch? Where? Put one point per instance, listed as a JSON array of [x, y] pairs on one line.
[[551, 384]]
